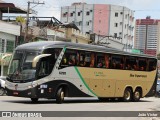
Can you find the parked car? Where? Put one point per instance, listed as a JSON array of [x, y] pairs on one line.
[[2, 85], [158, 88]]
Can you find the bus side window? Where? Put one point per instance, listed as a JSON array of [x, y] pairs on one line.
[[69, 58], [72, 60], [117, 62], [142, 64], [152, 64], [131, 63], [100, 61], [81, 60], [85, 59]]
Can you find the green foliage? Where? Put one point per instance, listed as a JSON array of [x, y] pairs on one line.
[[20, 19]]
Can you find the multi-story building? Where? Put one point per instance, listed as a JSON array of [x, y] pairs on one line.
[[146, 35], [9, 34], [102, 19]]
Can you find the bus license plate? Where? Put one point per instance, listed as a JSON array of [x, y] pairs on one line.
[[15, 93]]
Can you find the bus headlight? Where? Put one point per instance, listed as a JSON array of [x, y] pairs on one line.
[[30, 86], [34, 84]]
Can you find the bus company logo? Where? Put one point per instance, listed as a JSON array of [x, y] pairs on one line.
[[62, 73], [16, 86], [99, 74]]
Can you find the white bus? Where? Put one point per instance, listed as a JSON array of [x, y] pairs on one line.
[[55, 70]]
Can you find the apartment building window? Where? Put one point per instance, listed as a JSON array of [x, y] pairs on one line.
[[87, 13], [65, 14], [71, 14], [120, 34], [116, 14], [115, 35], [87, 23], [115, 24], [10, 46], [79, 13]]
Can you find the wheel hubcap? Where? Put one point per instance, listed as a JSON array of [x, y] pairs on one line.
[[62, 95], [137, 94], [127, 95], [1, 91]]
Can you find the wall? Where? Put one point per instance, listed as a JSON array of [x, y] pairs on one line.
[[125, 21], [140, 37], [9, 28], [101, 19], [77, 36], [81, 20], [6, 37]]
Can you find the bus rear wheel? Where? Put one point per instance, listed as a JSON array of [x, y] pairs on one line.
[[137, 95], [60, 96], [127, 95], [34, 100]]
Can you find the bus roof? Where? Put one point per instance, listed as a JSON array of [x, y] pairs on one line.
[[59, 44]]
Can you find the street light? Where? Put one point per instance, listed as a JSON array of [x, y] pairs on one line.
[[3, 61]]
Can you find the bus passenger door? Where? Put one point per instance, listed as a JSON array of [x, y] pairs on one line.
[[44, 68]]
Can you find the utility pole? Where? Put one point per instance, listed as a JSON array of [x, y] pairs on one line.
[[27, 21]]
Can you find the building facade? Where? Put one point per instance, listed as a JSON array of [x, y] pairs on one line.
[[8, 37], [102, 19], [147, 36]]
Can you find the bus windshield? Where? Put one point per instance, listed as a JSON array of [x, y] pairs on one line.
[[21, 65]]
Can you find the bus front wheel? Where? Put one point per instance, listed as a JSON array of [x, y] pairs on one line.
[[34, 100], [60, 96], [2, 91], [127, 95], [137, 95]]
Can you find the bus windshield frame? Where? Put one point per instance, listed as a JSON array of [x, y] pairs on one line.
[[20, 68]]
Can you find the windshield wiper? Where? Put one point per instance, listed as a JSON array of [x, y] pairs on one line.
[[11, 76]]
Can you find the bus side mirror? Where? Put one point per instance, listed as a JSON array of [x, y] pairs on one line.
[[37, 59]]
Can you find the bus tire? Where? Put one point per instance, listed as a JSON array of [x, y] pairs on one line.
[[60, 96], [2, 91], [127, 97], [34, 100], [137, 95]]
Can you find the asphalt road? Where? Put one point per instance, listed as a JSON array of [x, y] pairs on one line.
[[88, 105]]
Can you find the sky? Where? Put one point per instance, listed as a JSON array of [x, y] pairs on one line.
[[51, 8]]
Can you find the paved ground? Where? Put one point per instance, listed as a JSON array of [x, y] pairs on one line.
[[82, 104]]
